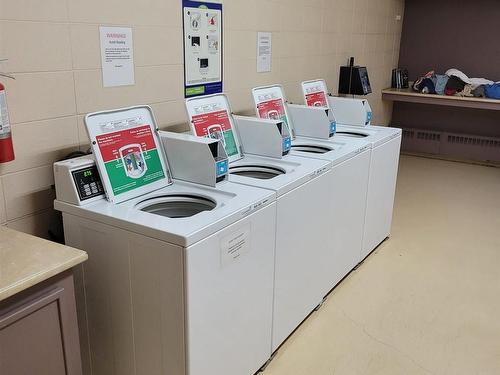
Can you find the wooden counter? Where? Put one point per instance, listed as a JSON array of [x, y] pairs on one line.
[[410, 96], [27, 260]]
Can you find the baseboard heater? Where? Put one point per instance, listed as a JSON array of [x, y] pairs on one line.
[[462, 146]]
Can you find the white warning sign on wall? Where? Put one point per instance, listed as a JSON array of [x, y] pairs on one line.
[[117, 56]]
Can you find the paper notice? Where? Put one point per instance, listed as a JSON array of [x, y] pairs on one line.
[[117, 56], [264, 52], [235, 245]]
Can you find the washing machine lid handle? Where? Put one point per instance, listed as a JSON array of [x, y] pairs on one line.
[[128, 152]]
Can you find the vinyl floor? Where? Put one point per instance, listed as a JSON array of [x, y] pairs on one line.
[[427, 301]]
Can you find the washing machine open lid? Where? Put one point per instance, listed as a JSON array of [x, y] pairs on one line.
[[272, 99], [128, 152], [211, 116], [315, 93]]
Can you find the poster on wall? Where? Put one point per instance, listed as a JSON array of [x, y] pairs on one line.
[[202, 47], [117, 56]]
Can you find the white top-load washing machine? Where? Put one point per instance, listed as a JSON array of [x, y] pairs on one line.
[[353, 117], [180, 276], [302, 187], [348, 183], [386, 145]]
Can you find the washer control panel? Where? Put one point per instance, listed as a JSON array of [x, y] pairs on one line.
[[77, 181], [87, 182]]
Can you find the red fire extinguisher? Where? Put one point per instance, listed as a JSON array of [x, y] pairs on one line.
[[6, 147]]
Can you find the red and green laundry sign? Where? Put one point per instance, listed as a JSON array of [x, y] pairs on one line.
[[131, 158], [216, 125], [273, 109], [316, 99]]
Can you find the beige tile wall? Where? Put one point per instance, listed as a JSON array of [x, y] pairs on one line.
[[53, 50]]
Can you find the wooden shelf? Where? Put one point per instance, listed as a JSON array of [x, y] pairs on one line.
[[410, 96]]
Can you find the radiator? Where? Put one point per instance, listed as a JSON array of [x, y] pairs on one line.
[[463, 146]]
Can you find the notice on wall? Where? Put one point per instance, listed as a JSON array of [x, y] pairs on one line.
[[264, 52], [117, 56], [202, 48], [131, 158]]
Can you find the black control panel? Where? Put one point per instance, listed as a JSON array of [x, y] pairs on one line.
[[88, 182]]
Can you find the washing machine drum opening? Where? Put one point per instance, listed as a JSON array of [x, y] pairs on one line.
[[352, 134], [177, 206], [261, 172], [312, 149]]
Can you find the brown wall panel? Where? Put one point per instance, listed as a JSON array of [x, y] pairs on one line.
[[443, 34]]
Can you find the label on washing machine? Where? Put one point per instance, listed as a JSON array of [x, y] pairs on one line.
[[333, 128], [233, 246], [319, 172], [364, 148], [287, 145], [369, 116], [221, 168]]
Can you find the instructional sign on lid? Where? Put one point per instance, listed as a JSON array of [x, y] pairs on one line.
[[117, 56], [210, 117], [315, 93], [130, 157], [270, 104]]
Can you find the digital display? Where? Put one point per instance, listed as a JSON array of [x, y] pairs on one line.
[[87, 173]]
